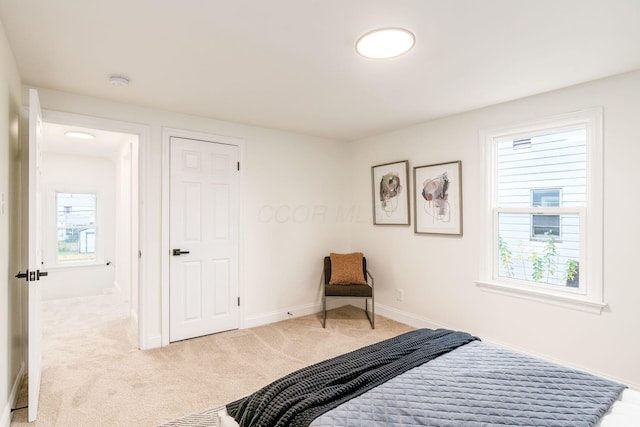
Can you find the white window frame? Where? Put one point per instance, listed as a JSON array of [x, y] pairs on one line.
[[95, 227], [51, 231], [589, 296]]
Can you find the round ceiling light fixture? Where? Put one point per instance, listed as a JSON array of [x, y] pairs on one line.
[[118, 80], [79, 135], [385, 43]]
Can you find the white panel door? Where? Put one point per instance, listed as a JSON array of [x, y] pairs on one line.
[[34, 243], [203, 236]]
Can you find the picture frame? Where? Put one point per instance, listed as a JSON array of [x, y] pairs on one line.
[[438, 198], [390, 191]]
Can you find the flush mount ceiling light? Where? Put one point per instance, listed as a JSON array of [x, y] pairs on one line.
[[79, 135], [385, 43], [117, 80]]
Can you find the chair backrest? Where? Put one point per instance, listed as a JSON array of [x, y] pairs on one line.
[[327, 269]]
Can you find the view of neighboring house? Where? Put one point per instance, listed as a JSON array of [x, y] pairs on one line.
[[76, 223], [539, 175]]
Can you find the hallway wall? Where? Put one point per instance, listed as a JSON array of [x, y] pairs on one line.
[[80, 174]]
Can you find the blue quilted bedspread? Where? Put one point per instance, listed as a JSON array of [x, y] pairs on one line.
[[480, 385], [298, 398]]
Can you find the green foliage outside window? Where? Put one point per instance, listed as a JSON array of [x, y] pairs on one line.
[[544, 266]]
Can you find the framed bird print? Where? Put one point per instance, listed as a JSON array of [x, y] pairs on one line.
[[390, 188], [438, 198]]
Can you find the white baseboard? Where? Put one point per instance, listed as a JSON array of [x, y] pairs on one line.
[[339, 302], [635, 386], [134, 319], [303, 310], [5, 420], [117, 288], [279, 315], [152, 342], [408, 318]]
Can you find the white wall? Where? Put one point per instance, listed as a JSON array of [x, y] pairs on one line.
[[437, 273], [82, 174], [11, 289], [305, 196], [294, 189]]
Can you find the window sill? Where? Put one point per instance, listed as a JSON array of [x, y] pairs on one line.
[[555, 298]]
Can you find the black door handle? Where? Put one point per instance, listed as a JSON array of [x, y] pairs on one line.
[[178, 252], [32, 276]]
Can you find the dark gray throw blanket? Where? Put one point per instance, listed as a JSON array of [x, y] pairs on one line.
[[298, 398]]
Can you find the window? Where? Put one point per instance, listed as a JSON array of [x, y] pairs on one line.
[[543, 197], [76, 227], [545, 226]]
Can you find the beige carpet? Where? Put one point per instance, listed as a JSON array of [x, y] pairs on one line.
[[93, 375]]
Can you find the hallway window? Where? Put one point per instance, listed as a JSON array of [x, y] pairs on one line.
[[76, 227]]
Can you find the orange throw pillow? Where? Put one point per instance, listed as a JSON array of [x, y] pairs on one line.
[[346, 269]]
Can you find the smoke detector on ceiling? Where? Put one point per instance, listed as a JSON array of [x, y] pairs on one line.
[[118, 80]]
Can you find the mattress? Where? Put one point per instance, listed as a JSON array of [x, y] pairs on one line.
[[624, 412], [469, 384], [478, 385]]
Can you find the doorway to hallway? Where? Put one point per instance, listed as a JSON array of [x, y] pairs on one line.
[[91, 210]]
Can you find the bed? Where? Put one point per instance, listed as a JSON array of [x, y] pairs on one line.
[[436, 378]]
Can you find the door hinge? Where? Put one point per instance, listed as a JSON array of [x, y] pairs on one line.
[[238, 165], [238, 301]]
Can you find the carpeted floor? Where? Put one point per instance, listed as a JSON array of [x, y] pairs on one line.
[[93, 374]]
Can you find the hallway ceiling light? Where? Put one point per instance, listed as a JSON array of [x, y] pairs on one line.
[[385, 43], [79, 135]]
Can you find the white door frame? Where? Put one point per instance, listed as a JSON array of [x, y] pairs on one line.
[[144, 136], [167, 134]]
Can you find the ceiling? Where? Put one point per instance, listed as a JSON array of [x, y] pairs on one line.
[[291, 64]]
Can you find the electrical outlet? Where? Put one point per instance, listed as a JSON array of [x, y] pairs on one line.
[[399, 295]]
